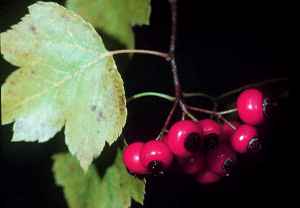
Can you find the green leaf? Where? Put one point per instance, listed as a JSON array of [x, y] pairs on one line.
[[114, 189], [114, 17], [66, 78]]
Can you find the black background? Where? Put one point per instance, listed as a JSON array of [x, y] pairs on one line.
[[220, 46]]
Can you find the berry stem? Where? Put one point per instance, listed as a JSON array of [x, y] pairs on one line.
[[257, 84], [219, 115], [231, 125], [185, 111], [163, 130], [211, 112], [228, 111], [183, 106], [202, 110], [199, 94]]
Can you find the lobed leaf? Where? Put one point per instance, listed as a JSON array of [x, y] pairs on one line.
[[116, 188], [65, 79], [114, 17]]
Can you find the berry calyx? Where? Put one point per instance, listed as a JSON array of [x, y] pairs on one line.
[[252, 106], [132, 159], [207, 177], [221, 160], [184, 138], [211, 132], [156, 156], [192, 164], [246, 139]]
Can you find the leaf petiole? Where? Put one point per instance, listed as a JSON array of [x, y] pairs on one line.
[[137, 51]]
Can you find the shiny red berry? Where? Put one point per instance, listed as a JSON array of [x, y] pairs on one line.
[[192, 164], [207, 177], [211, 132], [252, 106], [132, 159], [156, 156], [245, 139], [184, 138], [221, 160], [228, 131]]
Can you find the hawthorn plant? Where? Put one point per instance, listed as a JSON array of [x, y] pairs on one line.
[[68, 80]]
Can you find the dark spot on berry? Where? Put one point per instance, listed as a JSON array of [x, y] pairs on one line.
[[270, 108], [254, 145], [156, 167], [211, 141], [228, 166], [193, 142], [267, 107]]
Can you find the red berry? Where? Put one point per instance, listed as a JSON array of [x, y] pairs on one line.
[[156, 156], [211, 132], [207, 177], [251, 106], [184, 138], [132, 159], [245, 139], [221, 160], [228, 131], [192, 164]]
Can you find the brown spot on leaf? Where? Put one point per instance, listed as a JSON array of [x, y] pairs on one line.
[[72, 168], [65, 16], [12, 82], [32, 29], [99, 116], [93, 108]]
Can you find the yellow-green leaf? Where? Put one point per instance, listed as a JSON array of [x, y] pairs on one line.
[[65, 79], [114, 17], [114, 189]]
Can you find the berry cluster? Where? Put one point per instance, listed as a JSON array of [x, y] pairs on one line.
[[205, 149]]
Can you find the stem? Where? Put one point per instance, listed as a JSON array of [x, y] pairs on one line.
[[170, 115], [258, 84], [199, 94], [228, 122], [177, 85], [211, 112], [186, 112], [228, 111], [168, 97], [138, 51], [202, 110], [214, 113], [172, 48], [173, 5], [150, 94]]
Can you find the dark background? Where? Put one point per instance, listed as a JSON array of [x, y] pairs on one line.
[[220, 47]]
